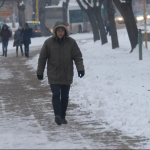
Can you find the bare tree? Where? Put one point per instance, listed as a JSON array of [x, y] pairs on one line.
[[126, 11], [97, 10], [112, 24], [65, 8], [21, 11], [2, 3], [92, 19], [42, 16], [34, 10]]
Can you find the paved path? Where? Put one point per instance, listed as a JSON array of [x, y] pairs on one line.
[[27, 121]]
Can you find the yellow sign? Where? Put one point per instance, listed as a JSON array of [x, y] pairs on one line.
[[5, 14], [35, 22]]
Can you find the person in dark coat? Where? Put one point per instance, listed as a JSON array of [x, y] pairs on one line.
[[18, 40], [107, 28], [5, 35], [59, 52], [26, 33]]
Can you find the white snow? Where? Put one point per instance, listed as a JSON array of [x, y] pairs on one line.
[[5, 74], [21, 3]]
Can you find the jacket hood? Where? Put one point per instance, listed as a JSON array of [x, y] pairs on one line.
[[60, 24], [5, 26]]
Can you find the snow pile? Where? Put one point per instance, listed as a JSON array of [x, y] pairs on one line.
[[115, 88]]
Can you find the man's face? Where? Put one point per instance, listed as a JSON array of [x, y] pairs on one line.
[[60, 33]]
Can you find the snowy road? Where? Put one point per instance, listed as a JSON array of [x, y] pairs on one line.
[[27, 119]]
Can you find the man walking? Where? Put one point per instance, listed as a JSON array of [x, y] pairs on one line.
[[5, 35], [59, 52]]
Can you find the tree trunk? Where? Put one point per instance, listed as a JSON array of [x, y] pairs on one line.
[[105, 11], [127, 13], [65, 8], [34, 10], [112, 24], [92, 20], [21, 11], [94, 26], [101, 26], [2, 3], [42, 17]]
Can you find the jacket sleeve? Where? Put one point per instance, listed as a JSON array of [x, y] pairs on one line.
[[15, 36], [10, 33], [42, 59], [77, 57]]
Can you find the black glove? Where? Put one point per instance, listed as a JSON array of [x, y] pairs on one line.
[[81, 74], [40, 77]]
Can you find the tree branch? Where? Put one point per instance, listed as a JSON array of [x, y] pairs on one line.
[[95, 3], [81, 6], [2, 3], [87, 3]]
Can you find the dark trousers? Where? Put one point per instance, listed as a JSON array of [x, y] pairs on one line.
[[20, 48], [60, 99], [4, 46], [108, 30], [26, 46]]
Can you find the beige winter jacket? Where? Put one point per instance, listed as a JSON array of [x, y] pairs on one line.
[[60, 58]]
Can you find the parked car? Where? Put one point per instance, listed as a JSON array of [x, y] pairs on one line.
[[139, 16], [36, 29], [119, 19]]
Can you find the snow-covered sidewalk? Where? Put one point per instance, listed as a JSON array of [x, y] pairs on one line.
[[116, 86]]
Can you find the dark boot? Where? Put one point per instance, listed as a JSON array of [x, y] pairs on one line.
[[58, 120], [64, 121], [16, 53]]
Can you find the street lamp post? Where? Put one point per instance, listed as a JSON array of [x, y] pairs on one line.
[[37, 10], [145, 25], [13, 15]]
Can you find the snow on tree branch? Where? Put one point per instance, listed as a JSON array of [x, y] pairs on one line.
[[97, 4], [124, 1], [21, 3], [83, 4], [91, 4]]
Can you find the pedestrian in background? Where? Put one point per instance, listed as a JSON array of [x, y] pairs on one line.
[[107, 28], [5, 35], [59, 52], [26, 33], [18, 39]]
